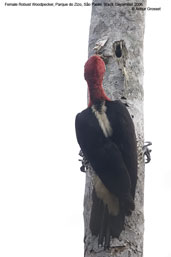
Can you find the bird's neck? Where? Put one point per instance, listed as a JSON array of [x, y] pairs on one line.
[[96, 94]]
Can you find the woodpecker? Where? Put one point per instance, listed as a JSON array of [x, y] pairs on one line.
[[106, 135]]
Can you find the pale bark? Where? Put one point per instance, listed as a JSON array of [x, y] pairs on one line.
[[112, 26]]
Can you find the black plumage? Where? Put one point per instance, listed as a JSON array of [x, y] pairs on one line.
[[113, 157]]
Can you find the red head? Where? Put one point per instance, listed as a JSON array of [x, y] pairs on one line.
[[94, 70]]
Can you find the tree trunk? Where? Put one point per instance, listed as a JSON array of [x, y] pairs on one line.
[[116, 33]]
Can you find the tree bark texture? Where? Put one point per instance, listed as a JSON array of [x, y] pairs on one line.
[[116, 33]]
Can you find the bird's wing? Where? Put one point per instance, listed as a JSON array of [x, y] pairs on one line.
[[103, 154], [124, 137], [111, 197]]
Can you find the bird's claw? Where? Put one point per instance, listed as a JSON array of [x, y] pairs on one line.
[[147, 151], [84, 161]]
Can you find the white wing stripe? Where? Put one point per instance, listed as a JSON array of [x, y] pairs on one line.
[[103, 120]]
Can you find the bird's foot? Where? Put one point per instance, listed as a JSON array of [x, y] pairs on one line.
[[147, 151]]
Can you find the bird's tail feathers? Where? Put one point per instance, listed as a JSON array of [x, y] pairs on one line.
[[103, 224]]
